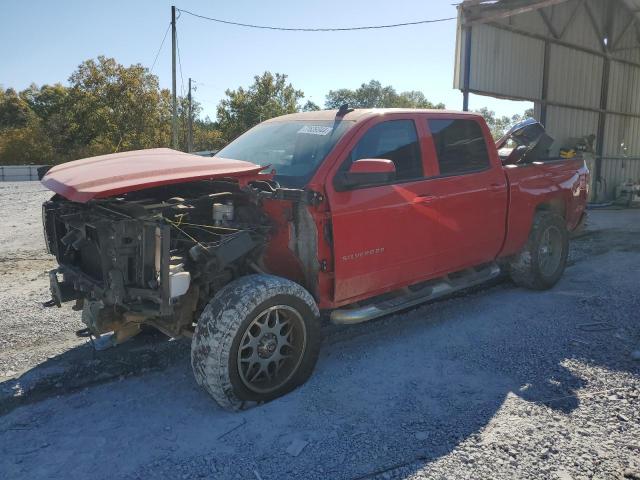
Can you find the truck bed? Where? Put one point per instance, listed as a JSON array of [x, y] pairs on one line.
[[559, 185]]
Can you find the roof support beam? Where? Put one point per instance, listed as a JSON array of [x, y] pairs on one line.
[[553, 103], [623, 32], [634, 13], [596, 28], [579, 4], [547, 22], [602, 120], [479, 13], [467, 68], [545, 83]]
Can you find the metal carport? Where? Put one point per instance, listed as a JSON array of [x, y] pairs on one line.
[[577, 60]]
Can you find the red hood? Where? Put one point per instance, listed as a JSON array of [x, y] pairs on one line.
[[117, 173]]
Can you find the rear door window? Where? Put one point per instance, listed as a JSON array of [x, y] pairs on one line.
[[460, 146], [394, 140]]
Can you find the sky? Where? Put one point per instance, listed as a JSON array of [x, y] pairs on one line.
[[43, 42]]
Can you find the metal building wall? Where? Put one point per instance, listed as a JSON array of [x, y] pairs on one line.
[[497, 66], [556, 56]]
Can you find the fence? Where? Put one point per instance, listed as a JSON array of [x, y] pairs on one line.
[[19, 173]]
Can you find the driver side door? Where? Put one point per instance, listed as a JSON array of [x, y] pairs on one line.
[[382, 233]]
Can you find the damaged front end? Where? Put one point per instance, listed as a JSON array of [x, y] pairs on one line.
[[152, 257]]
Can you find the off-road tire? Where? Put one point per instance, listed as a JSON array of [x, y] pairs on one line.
[[525, 268], [224, 321]]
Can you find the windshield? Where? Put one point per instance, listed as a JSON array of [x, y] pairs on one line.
[[294, 149]]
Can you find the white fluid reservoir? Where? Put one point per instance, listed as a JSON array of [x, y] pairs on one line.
[[179, 281]]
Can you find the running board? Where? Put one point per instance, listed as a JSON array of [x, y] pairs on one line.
[[432, 290]]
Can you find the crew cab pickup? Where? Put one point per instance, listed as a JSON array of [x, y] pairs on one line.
[[352, 213]]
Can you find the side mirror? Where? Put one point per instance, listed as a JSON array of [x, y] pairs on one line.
[[367, 171]]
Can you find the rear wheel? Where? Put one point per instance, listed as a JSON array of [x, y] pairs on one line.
[[542, 261], [257, 339]]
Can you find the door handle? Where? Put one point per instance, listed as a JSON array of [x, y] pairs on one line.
[[424, 199], [496, 187]]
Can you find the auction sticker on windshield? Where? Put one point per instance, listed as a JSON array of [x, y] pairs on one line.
[[316, 130]]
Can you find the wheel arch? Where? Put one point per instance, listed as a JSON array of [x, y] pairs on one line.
[[527, 268], [521, 217], [555, 205]]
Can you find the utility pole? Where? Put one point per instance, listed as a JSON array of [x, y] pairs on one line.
[[190, 132], [174, 112]]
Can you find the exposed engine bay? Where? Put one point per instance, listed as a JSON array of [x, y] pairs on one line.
[[156, 256]]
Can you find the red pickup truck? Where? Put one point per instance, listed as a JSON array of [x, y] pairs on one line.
[[353, 213]]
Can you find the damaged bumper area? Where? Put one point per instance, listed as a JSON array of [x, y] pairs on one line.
[[152, 257]]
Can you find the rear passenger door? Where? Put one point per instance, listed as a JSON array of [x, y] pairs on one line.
[[470, 190]]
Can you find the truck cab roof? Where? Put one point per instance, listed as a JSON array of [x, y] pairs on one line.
[[360, 114]]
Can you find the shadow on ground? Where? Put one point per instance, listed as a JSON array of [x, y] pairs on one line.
[[409, 387], [83, 366]]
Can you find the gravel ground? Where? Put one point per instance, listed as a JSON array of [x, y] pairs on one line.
[[29, 333], [499, 383]]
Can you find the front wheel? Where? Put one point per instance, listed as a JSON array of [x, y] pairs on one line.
[[542, 261], [257, 339]]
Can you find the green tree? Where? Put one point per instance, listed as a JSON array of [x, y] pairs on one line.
[[114, 108], [374, 95], [206, 134], [106, 108], [28, 145], [310, 107], [500, 125], [14, 111], [51, 105], [269, 96], [22, 137]]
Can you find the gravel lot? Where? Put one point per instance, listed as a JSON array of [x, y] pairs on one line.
[[498, 383]]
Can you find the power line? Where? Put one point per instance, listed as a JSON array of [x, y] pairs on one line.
[[160, 49], [322, 29]]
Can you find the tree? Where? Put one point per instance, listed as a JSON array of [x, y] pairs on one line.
[[114, 108], [500, 125], [310, 107], [206, 135], [374, 95], [106, 108], [14, 111], [22, 138], [28, 145], [50, 104], [269, 96]]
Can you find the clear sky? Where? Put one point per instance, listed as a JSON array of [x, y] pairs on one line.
[[43, 41]]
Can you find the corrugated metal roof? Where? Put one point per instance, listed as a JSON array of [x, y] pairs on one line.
[[633, 6], [508, 43], [628, 47]]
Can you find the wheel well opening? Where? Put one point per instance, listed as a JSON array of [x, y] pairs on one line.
[[555, 206]]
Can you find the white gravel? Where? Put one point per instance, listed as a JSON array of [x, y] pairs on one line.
[[29, 333], [501, 383]]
